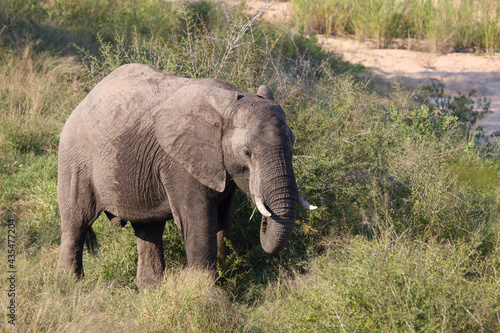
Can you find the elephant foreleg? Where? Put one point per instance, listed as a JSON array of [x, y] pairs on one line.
[[151, 263], [198, 226], [200, 241]]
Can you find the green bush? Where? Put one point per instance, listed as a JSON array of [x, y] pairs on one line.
[[388, 286], [373, 163]]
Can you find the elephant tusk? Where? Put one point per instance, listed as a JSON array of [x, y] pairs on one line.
[[260, 206], [304, 204]]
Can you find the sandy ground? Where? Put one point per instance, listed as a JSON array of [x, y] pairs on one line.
[[275, 11], [459, 72]]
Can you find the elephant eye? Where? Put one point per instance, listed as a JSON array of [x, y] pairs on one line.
[[247, 153]]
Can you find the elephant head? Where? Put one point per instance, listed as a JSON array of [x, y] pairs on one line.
[[233, 136]]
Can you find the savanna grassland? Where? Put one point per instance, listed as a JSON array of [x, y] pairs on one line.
[[407, 234]]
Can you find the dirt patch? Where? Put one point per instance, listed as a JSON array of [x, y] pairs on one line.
[[275, 11]]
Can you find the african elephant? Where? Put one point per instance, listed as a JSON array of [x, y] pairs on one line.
[[146, 147]]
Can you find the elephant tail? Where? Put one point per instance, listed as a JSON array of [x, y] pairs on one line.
[[91, 241]]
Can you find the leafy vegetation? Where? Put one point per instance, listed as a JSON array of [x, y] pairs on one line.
[[406, 237], [387, 286], [437, 26]]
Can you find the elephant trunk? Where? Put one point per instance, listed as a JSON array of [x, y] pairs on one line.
[[280, 195]]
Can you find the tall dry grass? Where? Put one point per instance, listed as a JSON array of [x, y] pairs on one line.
[[187, 301], [438, 26], [37, 92]]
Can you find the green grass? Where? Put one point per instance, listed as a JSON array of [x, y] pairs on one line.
[[438, 26], [406, 237], [388, 285], [186, 302]]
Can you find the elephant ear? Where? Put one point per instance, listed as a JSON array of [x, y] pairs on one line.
[[188, 126], [265, 92]]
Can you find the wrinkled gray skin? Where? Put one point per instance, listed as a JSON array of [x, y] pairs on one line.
[[146, 147]]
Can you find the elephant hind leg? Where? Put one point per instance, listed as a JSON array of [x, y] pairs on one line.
[[151, 262], [73, 237], [79, 209]]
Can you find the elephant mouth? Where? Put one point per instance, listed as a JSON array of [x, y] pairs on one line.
[[263, 210], [276, 227]]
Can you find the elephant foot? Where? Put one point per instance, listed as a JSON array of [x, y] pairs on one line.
[[148, 279], [70, 253]]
